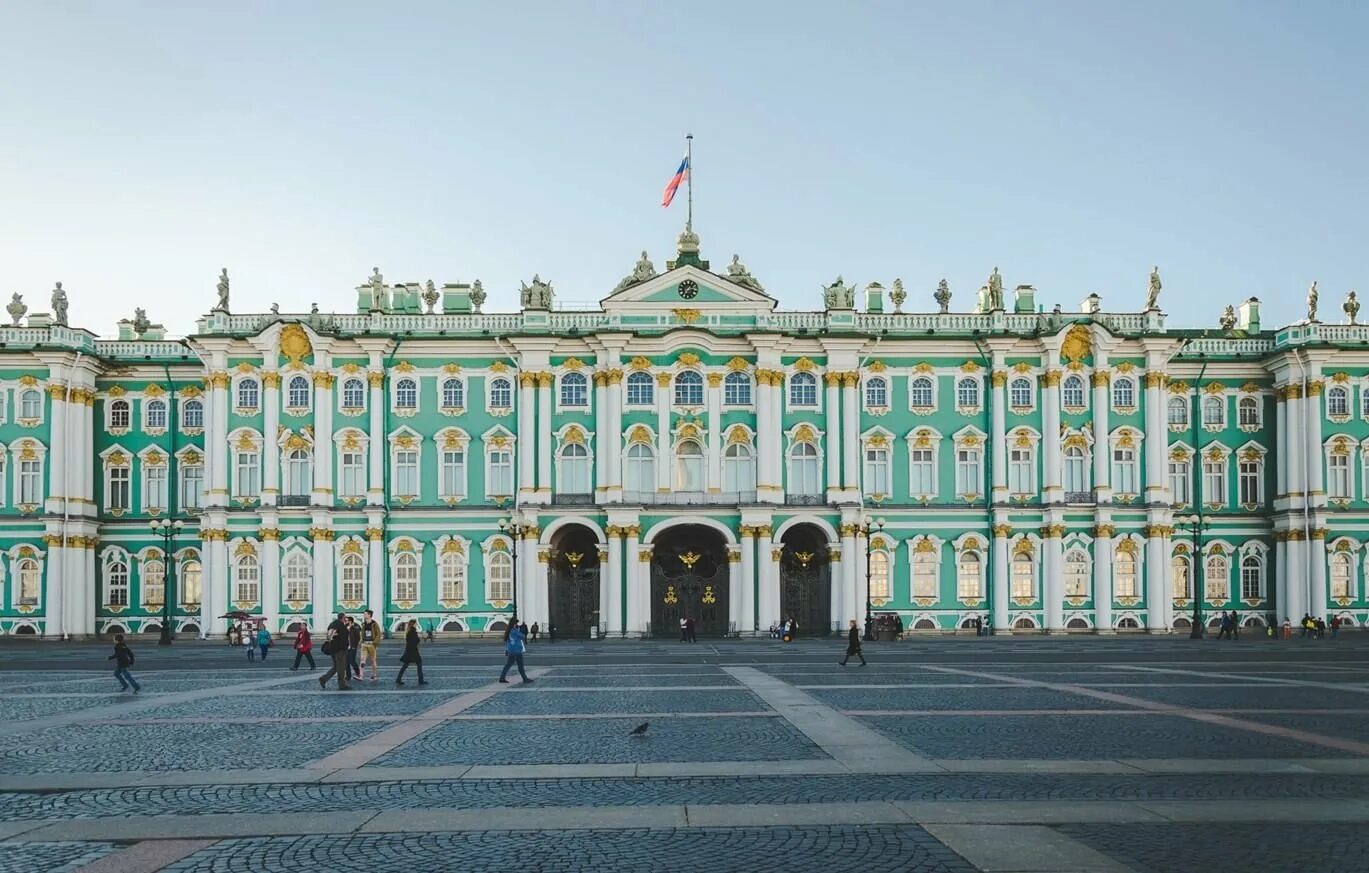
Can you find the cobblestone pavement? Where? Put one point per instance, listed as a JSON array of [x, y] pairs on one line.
[[50, 857], [596, 702], [1189, 848]]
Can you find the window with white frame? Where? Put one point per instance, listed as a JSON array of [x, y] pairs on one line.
[[876, 470], [922, 472], [574, 474], [1022, 576], [353, 394], [297, 575], [352, 473], [1338, 402], [1076, 573], [451, 577], [498, 576], [804, 476], [119, 415], [192, 486], [406, 577], [1363, 402], [1249, 480], [453, 393], [1179, 477], [452, 472], [1021, 470], [3, 461], [299, 473], [1216, 573], [876, 393], [30, 481], [803, 389], [1338, 476], [1178, 412], [154, 583], [967, 393], [968, 582], [30, 404], [689, 466], [30, 578], [154, 487], [1124, 574], [1248, 412], [639, 474], [739, 469], [246, 580], [1076, 470], [1020, 393], [689, 389], [1342, 576], [1214, 479], [192, 414], [1214, 411], [1072, 392], [920, 392], [249, 394], [353, 587], [116, 583], [1124, 470], [406, 472], [641, 389], [1252, 578], [501, 394], [297, 393], [880, 586], [118, 488], [1123, 393], [1183, 579], [406, 393], [499, 472], [154, 415], [737, 389], [969, 478], [925, 575], [574, 390], [191, 577]]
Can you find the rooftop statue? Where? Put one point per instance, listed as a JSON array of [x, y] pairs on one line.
[[538, 295], [140, 321], [995, 290], [737, 272], [641, 271], [59, 304], [222, 305], [1153, 292], [1228, 320], [1312, 302], [377, 283], [1351, 307], [839, 295], [943, 296]]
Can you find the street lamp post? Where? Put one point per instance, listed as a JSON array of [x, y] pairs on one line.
[[867, 530], [167, 530], [515, 532], [1198, 524]]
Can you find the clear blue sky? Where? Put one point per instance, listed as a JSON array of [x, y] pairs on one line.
[[1074, 144]]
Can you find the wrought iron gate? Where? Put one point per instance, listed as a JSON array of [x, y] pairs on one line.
[[689, 583], [806, 591], [574, 594]]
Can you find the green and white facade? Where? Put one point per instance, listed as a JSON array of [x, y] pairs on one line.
[[684, 449]]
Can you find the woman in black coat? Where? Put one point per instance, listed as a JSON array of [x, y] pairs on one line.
[[411, 655], [853, 645]]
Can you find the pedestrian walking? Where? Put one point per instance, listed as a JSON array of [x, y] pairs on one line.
[[304, 648], [853, 645], [370, 643], [536, 628], [263, 641], [123, 659], [513, 652], [335, 647], [689, 629], [353, 648], [684, 629], [247, 638], [411, 655]]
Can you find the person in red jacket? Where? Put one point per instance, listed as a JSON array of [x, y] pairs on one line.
[[304, 648]]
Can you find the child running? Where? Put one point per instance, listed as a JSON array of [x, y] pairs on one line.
[[123, 659]]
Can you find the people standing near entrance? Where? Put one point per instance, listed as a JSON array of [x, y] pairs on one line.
[[123, 659], [853, 645], [335, 647], [689, 629], [370, 642], [411, 655], [353, 648], [513, 652], [684, 629], [304, 648], [535, 629]]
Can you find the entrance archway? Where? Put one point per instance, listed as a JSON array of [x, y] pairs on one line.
[[806, 580], [689, 579], [573, 582]]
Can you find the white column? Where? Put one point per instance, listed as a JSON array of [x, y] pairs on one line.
[[1052, 576], [1281, 586], [1156, 569], [375, 568], [850, 435], [747, 611], [714, 398], [851, 557], [833, 436], [536, 610], [1281, 458], [998, 604], [375, 490], [768, 488], [613, 604], [217, 583], [544, 435], [999, 438], [527, 441], [59, 464], [734, 589], [610, 440], [270, 574], [835, 556], [639, 572], [769, 594], [1102, 470], [217, 449], [1312, 417], [1156, 444], [860, 571], [1050, 437], [601, 413], [1102, 576], [270, 454], [1297, 577], [323, 439], [323, 578], [1317, 560], [1167, 574], [664, 456]]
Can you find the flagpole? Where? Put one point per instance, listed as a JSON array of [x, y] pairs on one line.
[[689, 181]]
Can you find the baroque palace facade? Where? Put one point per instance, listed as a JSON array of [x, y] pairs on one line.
[[683, 449]]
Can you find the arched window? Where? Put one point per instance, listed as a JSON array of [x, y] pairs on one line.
[[574, 469], [1076, 574], [641, 389], [118, 415], [1178, 412], [1248, 412], [1076, 471], [406, 394], [1072, 392], [574, 390], [246, 580], [1214, 411], [1020, 393], [406, 577], [192, 414], [1252, 578], [737, 389], [803, 470], [1023, 579], [803, 389], [739, 469], [501, 394], [353, 586], [31, 404], [877, 470], [117, 583], [156, 414], [453, 394], [499, 576], [968, 583], [689, 466], [192, 583], [297, 577], [640, 475], [920, 392], [967, 393], [249, 394], [689, 389], [1124, 574], [1215, 579], [1342, 576], [880, 588], [1124, 393], [353, 394], [924, 575], [297, 393], [1183, 580], [154, 584], [1337, 401], [876, 392], [30, 579], [299, 473], [452, 578]]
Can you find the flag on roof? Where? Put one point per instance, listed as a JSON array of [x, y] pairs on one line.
[[673, 185]]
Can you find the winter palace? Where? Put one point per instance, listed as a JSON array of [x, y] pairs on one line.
[[683, 449]]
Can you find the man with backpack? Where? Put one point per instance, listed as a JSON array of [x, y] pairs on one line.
[[123, 659], [335, 647]]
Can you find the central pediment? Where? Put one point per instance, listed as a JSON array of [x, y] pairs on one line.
[[689, 286]]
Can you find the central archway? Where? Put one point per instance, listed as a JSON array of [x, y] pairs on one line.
[[806, 580], [573, 582], [689, 579]]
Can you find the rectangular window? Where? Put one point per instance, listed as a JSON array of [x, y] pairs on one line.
[[192, 486], [1249, 475], [247, 482], [876, 471], [453, 473], [1338, 477], [1214, 481], [1020, 471], [155, 498], [406, 473], [499, 480], [921, 482], [968, 479], [1023, 585], [1124, 471], [353, 475], [353, 580], [117, 500], [1178, 482], [30, 482]]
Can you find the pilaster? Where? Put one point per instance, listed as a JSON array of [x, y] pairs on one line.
[[527, 440], [665, 457], [748, 622], [833, 436], [1103, 533], [998, 600], [1052, 574], [375, 565], [1054, 489], [376, 445], [269, 537], [1317, 593], [714, 398], [324, 597], [611, 601], [270, 451], [545, 436], [850, 436], [323, 432]]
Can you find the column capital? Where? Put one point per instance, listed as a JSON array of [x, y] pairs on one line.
[[1002, 531]]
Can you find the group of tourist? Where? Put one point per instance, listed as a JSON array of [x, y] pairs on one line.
[[354, 646], [785, 630], [1315, 628], [258, 640]]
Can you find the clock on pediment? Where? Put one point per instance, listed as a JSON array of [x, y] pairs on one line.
[[689, 289]]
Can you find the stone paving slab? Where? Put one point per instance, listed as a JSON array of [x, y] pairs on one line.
[[299, 704], [607, 702], [637, 679], [1353, 727], [25, 708], [993, 698], [1227, 696], [1002, 849], [1273, 846], [148, 856]]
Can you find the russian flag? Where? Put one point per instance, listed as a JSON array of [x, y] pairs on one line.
[[673, 185]]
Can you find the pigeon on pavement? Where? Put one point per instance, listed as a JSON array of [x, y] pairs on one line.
[[640, 730]]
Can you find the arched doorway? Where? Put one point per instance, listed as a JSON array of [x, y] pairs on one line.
[[806, 580], [689, 579], [573, 582]]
